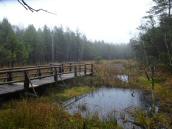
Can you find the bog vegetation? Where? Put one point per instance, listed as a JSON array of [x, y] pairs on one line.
[[148, 68]]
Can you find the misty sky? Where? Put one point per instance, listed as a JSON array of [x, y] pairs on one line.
[[109, 20]]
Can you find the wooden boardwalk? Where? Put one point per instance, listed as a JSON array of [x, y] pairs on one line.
[[24, 78]]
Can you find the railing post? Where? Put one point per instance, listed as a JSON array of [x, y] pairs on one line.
[[70, 67], [92, 71], [51, 68], [62, 70], [80, 68], [55, 75], [85, 69], [75, 71], [9, 76], [39, 73], [26, 81]]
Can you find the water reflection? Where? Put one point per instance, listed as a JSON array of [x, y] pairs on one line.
[[107, 100], [110, 103], [123, 78]]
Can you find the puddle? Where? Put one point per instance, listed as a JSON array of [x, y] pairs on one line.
[[109, 103]]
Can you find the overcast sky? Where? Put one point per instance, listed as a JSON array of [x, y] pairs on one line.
[[109, 20]]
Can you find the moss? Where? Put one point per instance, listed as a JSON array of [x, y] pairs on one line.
[[72, 92], [143, 81]]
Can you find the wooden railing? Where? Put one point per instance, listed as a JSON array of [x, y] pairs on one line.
[[26, 74]]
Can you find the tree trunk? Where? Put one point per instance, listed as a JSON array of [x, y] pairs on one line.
[[153, 84], [169, 8], [146, 73], [167, 47]]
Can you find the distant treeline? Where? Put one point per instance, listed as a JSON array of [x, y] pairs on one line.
[[34, 46]]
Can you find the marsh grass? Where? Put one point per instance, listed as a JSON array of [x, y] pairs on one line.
[[36, 114], [104, 76], [156, 121], [105, 72], [42, 113], [163, 95]]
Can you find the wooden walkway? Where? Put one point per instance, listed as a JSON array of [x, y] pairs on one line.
[[25, 78]]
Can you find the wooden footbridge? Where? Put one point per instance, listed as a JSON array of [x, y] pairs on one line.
[[24, 78]]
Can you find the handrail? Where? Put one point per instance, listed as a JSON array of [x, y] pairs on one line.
[[23, 74], [27, 67]]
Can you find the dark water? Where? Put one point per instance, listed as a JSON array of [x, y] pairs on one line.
[[109, 103]]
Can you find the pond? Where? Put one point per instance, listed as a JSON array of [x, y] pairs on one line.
[[109, 103]]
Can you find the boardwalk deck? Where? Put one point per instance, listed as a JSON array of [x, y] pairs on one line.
[[19, 86]]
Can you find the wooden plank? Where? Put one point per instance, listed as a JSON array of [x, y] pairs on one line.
[[5, 89], [44, 74]]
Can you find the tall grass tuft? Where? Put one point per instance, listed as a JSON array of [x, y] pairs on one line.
[[39, 114]]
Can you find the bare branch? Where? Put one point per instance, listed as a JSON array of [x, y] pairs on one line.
[[22, 4], [27, 7]]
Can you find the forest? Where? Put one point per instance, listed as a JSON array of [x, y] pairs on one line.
[[153, 45], [44, 45], [40, 46]]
